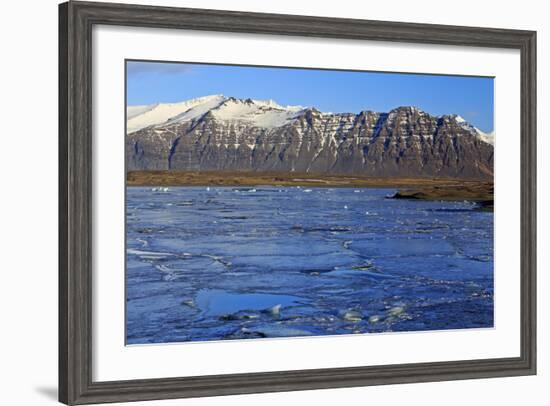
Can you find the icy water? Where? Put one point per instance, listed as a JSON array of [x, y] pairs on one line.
[[233, 263]]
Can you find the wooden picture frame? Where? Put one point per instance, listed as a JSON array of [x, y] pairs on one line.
[[76, 20]]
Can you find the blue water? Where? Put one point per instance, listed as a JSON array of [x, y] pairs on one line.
[[232, 263]]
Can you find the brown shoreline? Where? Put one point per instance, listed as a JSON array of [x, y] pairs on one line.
[[409, 188]]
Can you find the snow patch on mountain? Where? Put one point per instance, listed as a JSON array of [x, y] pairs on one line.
[[139, 117], [489, 138], [195, 111], [263, 114], [133, 111]]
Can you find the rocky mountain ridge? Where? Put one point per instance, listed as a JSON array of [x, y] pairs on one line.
[[218, 133]]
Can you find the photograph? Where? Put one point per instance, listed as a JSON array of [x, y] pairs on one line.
[[277, 202]]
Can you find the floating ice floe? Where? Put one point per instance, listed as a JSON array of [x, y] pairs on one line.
[[353, 315], [375, 319], [274, 310], [149, 254], [276, 331], [189, 303], [396, 311]]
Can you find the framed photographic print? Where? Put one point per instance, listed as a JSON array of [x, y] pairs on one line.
[[259, 202]]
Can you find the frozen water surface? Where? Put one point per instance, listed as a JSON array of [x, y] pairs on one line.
[[233, 263]]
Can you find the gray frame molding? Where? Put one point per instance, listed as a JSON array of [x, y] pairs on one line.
[[76, 20]]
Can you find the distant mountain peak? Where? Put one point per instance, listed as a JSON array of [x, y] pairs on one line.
[[407, 109]]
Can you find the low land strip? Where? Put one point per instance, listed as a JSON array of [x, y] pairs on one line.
[[408, 188]]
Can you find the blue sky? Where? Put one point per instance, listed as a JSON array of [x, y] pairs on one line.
[[328, 90]]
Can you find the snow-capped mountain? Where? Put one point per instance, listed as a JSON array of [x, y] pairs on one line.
[[225, 133], [261, 113]]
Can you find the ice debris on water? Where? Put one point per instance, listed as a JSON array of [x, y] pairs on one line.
[[375, 319], [274, 310], [188, 302], [363, 264], [352, 315], [396, 311]]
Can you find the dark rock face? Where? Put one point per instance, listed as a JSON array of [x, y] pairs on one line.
[[404, 142]]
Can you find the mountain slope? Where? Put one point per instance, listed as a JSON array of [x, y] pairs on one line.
[[224, 133]]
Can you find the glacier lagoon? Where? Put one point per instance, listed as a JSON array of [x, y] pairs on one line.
[[219, 263]]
